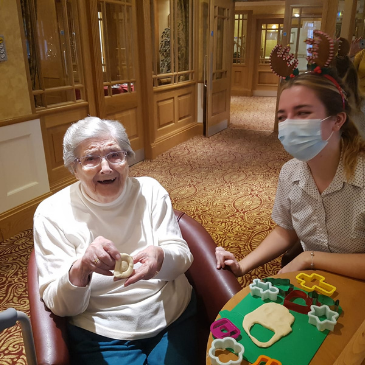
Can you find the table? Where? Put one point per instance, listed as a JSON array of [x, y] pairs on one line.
[[346, 344]]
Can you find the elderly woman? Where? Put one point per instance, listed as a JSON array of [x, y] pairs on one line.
[[79, 234]]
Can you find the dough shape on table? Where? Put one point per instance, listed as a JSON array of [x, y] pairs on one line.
[[273, 316], [123, 267]]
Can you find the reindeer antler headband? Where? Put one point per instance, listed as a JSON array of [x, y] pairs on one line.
[[285, 65], [322, 53]]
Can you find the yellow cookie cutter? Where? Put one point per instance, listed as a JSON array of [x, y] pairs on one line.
[[322, 288]]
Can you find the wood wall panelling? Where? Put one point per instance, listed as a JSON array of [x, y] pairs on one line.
[[165, 112], [127, 110], [54, 127], [267, 78], [185, 105], [14, 92], [237, 77], [20, 218], [117, 103], [174, 118], [175, 108], [129, 120]]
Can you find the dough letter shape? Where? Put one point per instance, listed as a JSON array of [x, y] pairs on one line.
[[273, 316], [123, 267]]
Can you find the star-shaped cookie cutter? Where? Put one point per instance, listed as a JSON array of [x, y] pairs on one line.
[[324, 310], [322, 287]]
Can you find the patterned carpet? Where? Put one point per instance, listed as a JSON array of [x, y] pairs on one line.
[[226, 182]]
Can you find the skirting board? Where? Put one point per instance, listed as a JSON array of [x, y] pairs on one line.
[[20, 218], [173, 140], [265, 93]]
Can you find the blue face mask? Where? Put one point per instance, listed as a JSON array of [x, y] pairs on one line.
[[302, 138]]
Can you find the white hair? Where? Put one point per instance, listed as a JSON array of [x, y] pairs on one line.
[[93, 127]]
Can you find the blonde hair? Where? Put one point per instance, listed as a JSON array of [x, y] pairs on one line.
[[351, 142]]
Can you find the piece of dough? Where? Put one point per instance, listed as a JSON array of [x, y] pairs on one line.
[[123, 267], [273, 316]]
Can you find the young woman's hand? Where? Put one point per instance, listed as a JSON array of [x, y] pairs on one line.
[[226, 258], [301, 262]]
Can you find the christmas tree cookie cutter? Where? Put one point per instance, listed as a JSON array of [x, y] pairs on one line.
[[227, 343], [324, 310], [223, 327], [322, 287], [264, 290], [286, 286], [263, 359]]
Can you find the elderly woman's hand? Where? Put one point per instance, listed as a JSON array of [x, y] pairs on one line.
[[99, 257], [226, 258], [151, 259]]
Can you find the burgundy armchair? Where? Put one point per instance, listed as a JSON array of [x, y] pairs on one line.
[[213, 289]]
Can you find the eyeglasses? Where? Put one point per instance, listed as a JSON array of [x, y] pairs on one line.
[[92, 161]]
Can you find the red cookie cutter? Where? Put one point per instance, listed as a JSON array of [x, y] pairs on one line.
[[304, 309], [267, 360], [224, 328]]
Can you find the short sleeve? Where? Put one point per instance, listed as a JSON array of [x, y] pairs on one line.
[[281, 213]]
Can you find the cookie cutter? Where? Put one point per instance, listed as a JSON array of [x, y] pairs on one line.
[[324, 310], [224, 328], [266, 360], [264, 290], [304, 309], [322, 288], [324, 299], [224, 344], [282, 282]]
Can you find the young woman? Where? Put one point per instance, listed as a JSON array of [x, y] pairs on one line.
[[320, 198]]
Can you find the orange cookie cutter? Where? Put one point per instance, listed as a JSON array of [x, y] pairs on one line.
[[267, 360], [322, 288]]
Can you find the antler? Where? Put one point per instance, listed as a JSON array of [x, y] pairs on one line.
[[343, 47], [282, 62], [322, 49]]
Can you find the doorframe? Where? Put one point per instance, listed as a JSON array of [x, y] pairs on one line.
[[255, 49], [210, 130]]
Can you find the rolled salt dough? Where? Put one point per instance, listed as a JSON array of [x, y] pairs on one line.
[[273, 316], [123, 267]]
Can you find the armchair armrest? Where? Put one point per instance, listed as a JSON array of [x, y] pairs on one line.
[[49, 330], [213, 287]]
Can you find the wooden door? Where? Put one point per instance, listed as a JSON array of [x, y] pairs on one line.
[[268, 35], [116, 66], [218, 66]]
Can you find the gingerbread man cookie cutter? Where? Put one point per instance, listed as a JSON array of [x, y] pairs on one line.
[[264, 290]]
